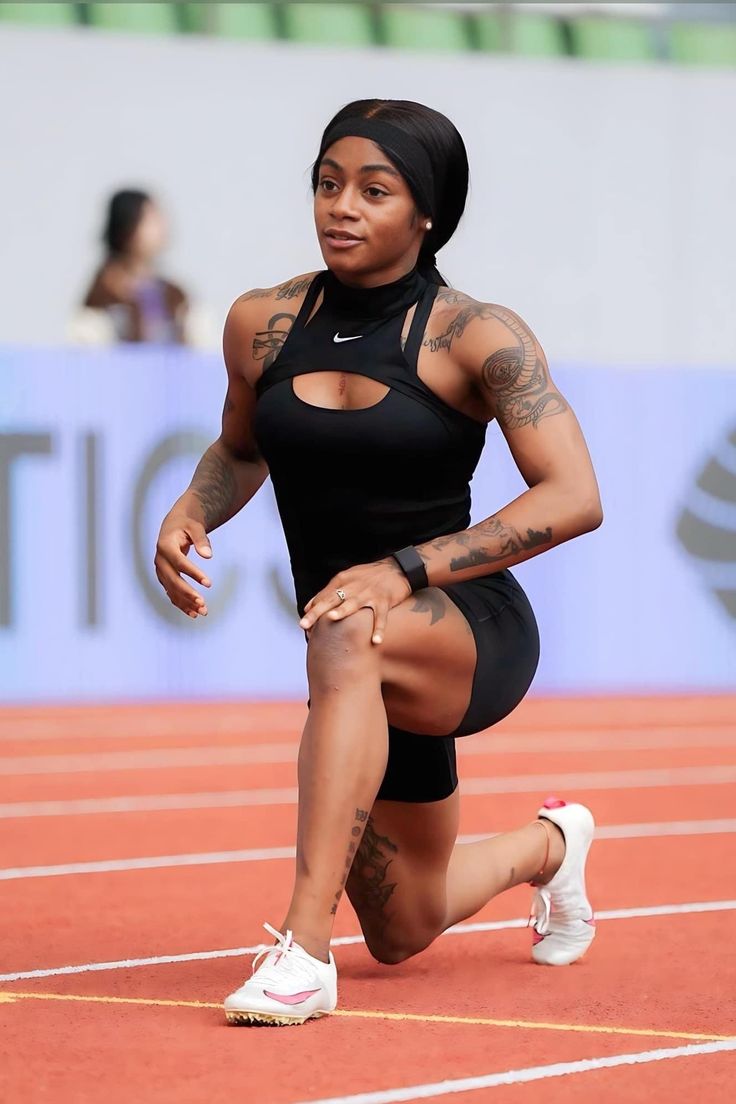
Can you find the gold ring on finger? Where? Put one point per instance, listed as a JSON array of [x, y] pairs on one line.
[[341, 594]]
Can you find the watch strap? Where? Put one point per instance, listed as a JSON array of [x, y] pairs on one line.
[[412, 564]]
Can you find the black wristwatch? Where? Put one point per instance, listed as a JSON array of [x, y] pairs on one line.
[[412, 564]]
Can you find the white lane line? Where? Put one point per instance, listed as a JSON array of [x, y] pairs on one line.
[[148, 862], [470, 787], [653, 829], [482, 744], [148, 759], [261, 854], [528, 736], [634, 739], [644, 911], [602, 780], [137, 803], [523, 1076]]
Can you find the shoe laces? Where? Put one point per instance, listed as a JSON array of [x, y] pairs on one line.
[[541, 911], [284, 959]]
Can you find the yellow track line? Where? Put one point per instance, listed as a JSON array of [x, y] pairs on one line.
[[409, 1017]]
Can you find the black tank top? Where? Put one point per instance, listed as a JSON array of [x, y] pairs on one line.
[[352, 486]]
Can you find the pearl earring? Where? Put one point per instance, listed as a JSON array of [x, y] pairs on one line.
[[428, 224]]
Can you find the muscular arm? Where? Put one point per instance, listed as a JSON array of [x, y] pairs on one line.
[[232, 470], [509, 369]]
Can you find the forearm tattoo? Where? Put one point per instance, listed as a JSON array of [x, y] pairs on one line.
[[267, 343], [214, 485], [489, 542], [369, 886], [361, 816]]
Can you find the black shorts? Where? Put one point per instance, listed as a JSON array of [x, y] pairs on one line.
[[423, 768]]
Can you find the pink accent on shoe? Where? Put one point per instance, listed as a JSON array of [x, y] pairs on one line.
[[554, 803], [536, 938], [591, 921], [291, 998]]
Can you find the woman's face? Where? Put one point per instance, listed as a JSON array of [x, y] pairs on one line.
[[366, 218], [149, 237]]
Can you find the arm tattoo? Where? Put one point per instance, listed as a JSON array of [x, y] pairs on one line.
[[451, 297], [288, 290], [518, 381], [517, 376], [214, 485], [369, 887], [458, 326], [361, 816], [292, 288], [506, 541], [256, 293], [267, 343]]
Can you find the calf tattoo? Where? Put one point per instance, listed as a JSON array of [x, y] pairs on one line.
[[361, 816], [370, 888]]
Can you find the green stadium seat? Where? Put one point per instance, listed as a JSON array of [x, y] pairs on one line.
[[149, 18], [255, 21], [194, 18], [537, 36], [701, 44], [601, 39], [336, 24], [48, 15], [423, 29]]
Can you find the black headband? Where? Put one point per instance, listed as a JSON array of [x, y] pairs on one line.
[[409, 154]]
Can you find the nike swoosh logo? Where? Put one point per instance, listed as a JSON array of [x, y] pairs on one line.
[[291, 998], [337, 338]]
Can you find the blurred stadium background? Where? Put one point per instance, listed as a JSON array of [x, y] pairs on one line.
[[603, 176]]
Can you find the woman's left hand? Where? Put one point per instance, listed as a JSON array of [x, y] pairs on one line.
[[376, 586]]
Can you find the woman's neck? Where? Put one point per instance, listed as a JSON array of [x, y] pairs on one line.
[[379, 301]]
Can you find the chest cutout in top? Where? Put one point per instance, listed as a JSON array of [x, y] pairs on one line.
[[335, 390]]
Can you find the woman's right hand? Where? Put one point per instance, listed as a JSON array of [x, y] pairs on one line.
[[178, 534]]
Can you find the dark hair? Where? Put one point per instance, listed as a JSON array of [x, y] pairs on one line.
[[123, 215], [448, 159]]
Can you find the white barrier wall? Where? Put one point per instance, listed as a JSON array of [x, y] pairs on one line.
[[601, 205], [94, 449]]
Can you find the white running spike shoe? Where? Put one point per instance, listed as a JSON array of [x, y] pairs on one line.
[[561, 915], [288, 987]]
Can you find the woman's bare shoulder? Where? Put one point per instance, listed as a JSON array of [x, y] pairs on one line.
[[255, 309], [455, 310], [286, 292]]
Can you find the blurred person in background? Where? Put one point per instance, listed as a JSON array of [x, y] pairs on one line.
[[128, 300]]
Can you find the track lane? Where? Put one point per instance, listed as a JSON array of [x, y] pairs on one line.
[[95, 917], [60, 839]]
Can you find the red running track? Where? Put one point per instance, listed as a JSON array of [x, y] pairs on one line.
[[188, 812]]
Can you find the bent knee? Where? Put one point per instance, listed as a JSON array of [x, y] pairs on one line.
[[391, 950], [341, 641]]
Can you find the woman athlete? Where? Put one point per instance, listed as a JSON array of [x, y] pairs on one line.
[[365, 391]]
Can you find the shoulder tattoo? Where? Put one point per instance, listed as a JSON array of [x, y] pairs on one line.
[[267, 343], [517, 378]]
